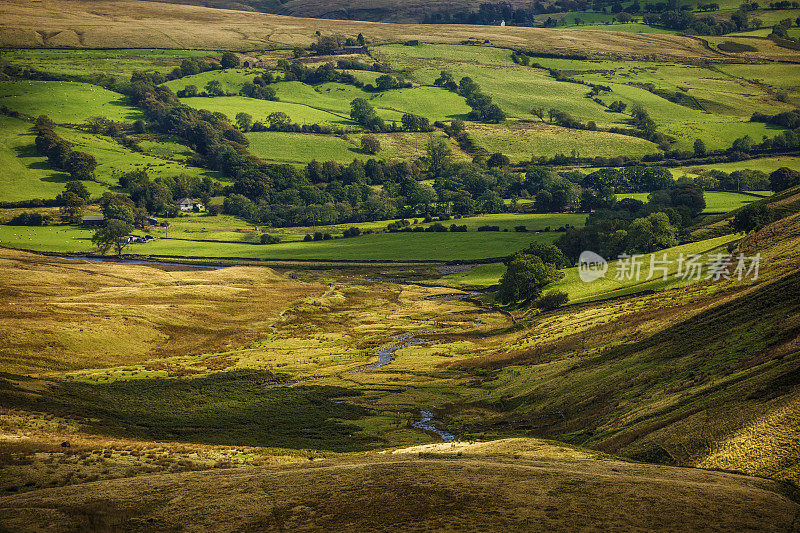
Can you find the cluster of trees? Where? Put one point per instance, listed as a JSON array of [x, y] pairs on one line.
[[492, 13], [120, 216], [59, 152], [158, 196], [528, 272], [72, 201], [631, 226], [683, 20], [739, 180], [260, 88], [355, 64], [30, 218], [362, 112], [786, 119], [779, 31], [329, 44], [483, 109]]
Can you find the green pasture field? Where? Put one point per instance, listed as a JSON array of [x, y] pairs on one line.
[[520, 141], [377, 247], [230, 228], [114, 159], [514, 88], [25, 174], [47, 238], [778, 76], [165, 149], [764, 164], [716, 201], [117, 63], [231, 80], [301, 148], [261, 109], [608, 286], [477, 277], [728, 101], [430, 102], [65, 101]]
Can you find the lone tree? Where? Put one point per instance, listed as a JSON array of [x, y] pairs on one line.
[[525, 277], [438, 156], [370, 144], [362, 112], [752, 217], [538, 112], [244, 121], [112, 234], [699, 147], [783, 178], [229, 60], [80, 165]]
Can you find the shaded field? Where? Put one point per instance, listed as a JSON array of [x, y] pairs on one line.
[[483, 489]]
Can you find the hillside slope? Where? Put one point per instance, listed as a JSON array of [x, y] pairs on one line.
[[506, 485], [135, 24], [707, 374]]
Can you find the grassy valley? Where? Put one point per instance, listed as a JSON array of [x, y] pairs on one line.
[[263, 272]]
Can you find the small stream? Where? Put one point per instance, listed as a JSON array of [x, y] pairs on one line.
[[426, 424], [385, 354]]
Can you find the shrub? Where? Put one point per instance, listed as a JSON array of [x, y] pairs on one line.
[[436, 228], [351, 232], [489, 228], [370, 144], [30, 219], [552, 300], [521, 229], [269, 239]]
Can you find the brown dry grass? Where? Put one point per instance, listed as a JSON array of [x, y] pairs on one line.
[[67, 314], [132, 24], [476, 491]]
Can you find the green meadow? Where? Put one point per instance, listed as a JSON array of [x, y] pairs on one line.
[[716, 201], [376, 247], [231, 80], [117, 63], [725, 103], [230, 106], [114, 159], [763, 164], [521, 141], [65, 102], [229, 228], [25, 174], [618, 282]]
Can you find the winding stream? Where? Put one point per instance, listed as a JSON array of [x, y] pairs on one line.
[[426, 424]]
